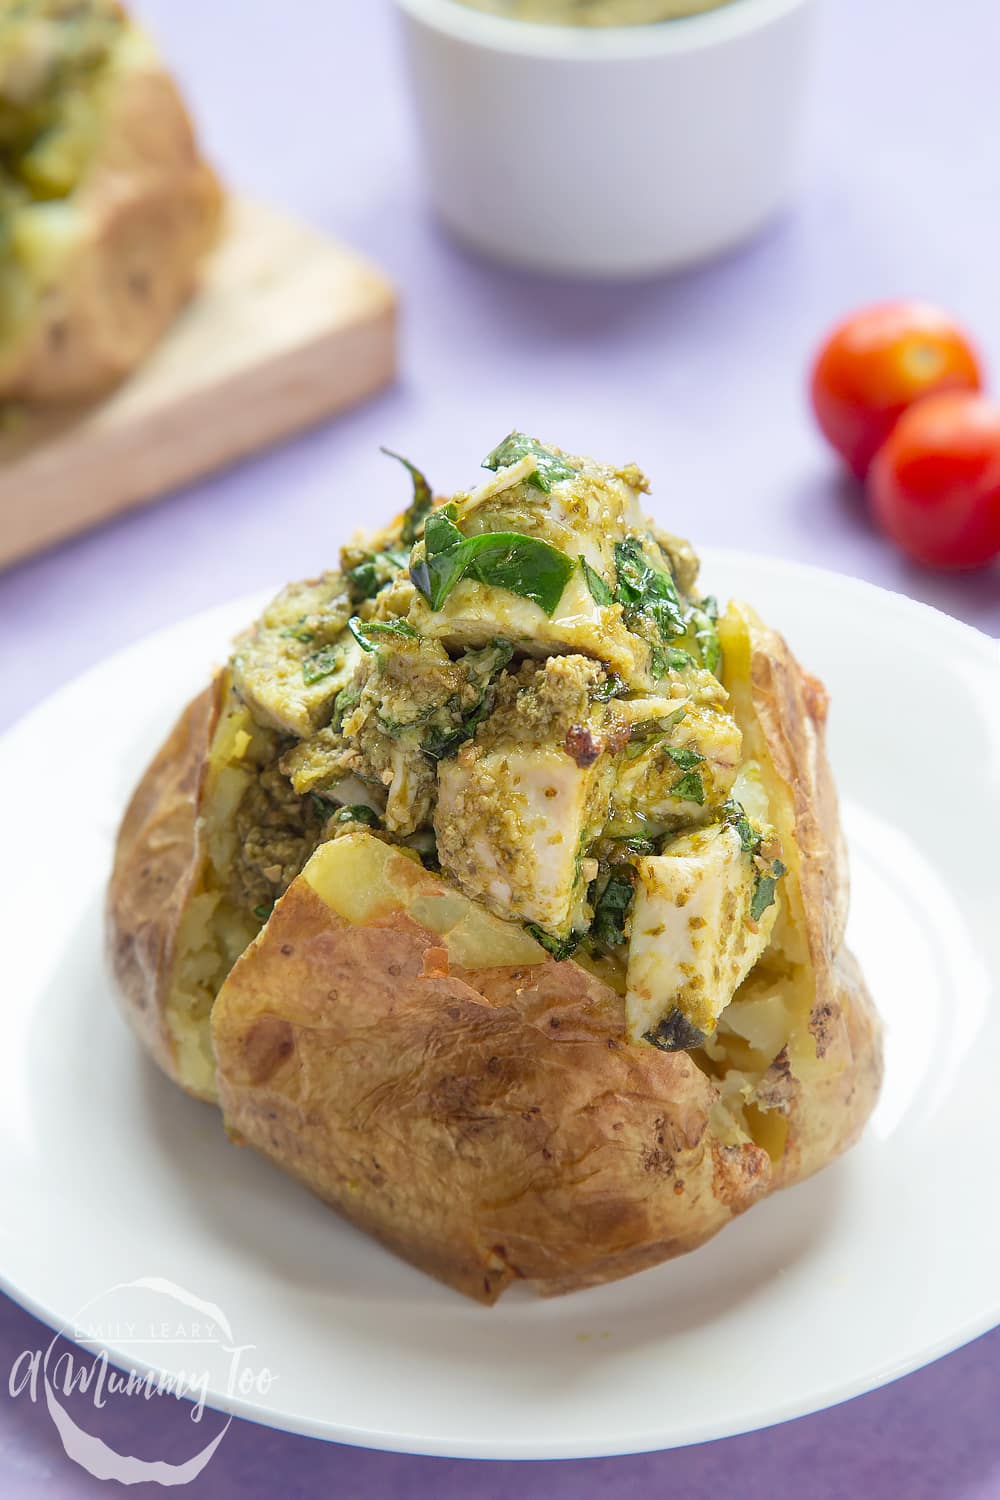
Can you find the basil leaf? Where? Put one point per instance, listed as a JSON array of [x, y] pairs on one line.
[[560, 948], [377, 571], [689, 788], [322, 663], [362, 629], [764, 889], [501, 559], [686, 759], [647, 590], [600, 592], [612, 908], [358, 813], [421, 505], [517, 445]]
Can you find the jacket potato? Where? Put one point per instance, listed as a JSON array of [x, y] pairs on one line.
[[106, 207], [495, 889]]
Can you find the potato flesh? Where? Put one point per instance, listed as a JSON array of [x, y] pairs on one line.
[[214, 930], [364, 880]]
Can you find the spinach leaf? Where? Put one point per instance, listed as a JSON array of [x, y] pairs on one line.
[[502, 559], [764, 889], [421, 505], [560, 948], [600, 592], [636, 845], [517, 445], [320, 664], [345, 701], [704, 618], [686, 759], [689, 788], [362, 630], [358, 813], [486, 664], [299, 632], [612, 907], [646, 590], [734, 815], [610, 686]]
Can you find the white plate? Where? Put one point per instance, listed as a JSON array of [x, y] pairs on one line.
[[880, 1264]]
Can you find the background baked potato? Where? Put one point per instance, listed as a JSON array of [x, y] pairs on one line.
[[106, 207], [439, 1071]]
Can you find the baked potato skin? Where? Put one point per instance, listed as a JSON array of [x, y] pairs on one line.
[[493, 1123], [826, 1114], [485, 1124], [145, 214], [158, 860]]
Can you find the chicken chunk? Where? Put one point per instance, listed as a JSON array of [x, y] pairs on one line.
[[677, 777], [583, 514], [694, 935], [517, 808], [291, 666], [474, 613], [512, 825], [584, 511]]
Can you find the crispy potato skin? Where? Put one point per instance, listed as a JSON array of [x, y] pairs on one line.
[[158, 859], [828, 1114], [146, 213], [485, 1125], [494, 1124]]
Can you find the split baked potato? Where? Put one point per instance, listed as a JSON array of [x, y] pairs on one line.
[[106, 206], [495, 889]]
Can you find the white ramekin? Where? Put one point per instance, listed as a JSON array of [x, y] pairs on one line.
[[600, 151]]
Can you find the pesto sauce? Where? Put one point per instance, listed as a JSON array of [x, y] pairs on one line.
[[595, 12]]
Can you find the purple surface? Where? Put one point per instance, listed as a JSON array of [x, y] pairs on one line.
[[701, 380]]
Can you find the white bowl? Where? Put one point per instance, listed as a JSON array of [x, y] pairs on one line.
[[609, 151]]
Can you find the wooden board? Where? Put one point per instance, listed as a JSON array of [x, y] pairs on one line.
[[287, 328]]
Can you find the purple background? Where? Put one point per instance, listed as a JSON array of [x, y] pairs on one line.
[[700, 379]]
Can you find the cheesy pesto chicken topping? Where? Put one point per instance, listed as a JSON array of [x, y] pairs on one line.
[[521, 688]]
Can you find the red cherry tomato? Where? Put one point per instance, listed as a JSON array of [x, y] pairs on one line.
[[876, 364], [935, 485]]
